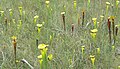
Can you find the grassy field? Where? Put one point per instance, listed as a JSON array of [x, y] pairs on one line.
[[81, 42]]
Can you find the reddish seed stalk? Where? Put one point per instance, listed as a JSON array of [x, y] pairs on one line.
[[14, 45], [73, 28], [116, 31], [83, 15], [78, 21], [113, 27], [6, 23], [109, 29], [63, 16]]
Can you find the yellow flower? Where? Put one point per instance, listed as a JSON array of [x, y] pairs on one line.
[[50, 57], [39, 25], [47, 2], [118, 67], [98, 50], [113, 47], [101, 16], [42, 46], [117, 2], [14, 37], [94, 31], [75, 4], [107, 3], [40, 57], [62, 13], [94, 19], [2, 13], [92, 59], [10, 10], [36, 17], [83, 48], [20, 8]]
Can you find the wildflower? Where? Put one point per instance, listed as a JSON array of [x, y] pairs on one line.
[[95, 23], [75, 4], [98, 50], [92, 59], [94, 31], [2, 13], [40, 57], [14, 37], [20, 10], [62, 13], [10, 11], [107, 7], [39, 25], [35, 18], [101, 16], [107, 3], [42, 46], [50, 56], [113, 47], [117, 2], [83, 48], [47, 3], [118, 67]]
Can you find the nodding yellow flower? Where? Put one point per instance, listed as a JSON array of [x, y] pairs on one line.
[[118, 67], [94, 31], [10, 11], [101, 16], [40, 56], [113, 48], [20, 10], [39, 25], [83, 48], [92, 59], [50, 57], [95, 23], [107, 3], [42, 46], [14, 37], [62, 13], [2, 13], [75, 4], [47, 3], [117, 2], [17, 61], [35, 18], [98, 50]]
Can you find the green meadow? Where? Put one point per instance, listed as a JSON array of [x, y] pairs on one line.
[[59, 34]]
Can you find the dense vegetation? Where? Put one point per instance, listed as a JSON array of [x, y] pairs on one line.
[[59, 34]]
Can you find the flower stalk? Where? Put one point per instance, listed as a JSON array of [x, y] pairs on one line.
[[83, 17], [14, 46], [63, 17], [109, 29]]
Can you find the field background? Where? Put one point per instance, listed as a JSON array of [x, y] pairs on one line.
[[65, 48]]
